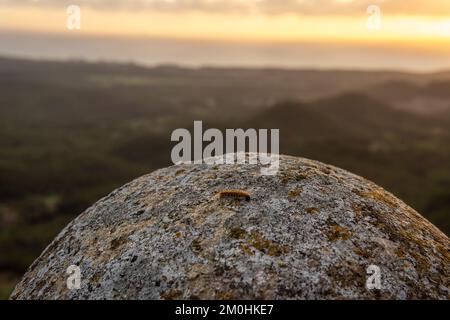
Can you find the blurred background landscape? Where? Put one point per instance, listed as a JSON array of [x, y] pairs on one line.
[[83, 112]]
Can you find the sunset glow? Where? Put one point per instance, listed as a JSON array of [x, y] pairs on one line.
[[423, 26], [229, 26]]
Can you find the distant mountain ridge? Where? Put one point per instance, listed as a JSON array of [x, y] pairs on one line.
[[70, 132]]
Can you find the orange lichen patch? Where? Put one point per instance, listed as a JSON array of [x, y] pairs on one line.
[[246, 249], [162, 178], [421, 263], [347, 275], [154, 198], [338, 233], [312, 210], [444, 251], [302, 176], [285, 179], [171, 295], [257, 241], [225, 296], [415, 237], [109, 243], [237, 233], [380, 195], [357, 210], [294, 175], [233, 193], [295, 193], [363, 253], [271, 248], [400, 252]]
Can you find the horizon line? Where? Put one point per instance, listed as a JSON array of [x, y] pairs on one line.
[[187, 66]]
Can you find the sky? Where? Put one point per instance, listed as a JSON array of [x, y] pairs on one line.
[[374, 34]]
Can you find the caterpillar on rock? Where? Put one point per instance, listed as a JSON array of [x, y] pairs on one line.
[[237, 194]]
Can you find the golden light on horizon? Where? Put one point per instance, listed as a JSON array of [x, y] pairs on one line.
[[231, 26], [253, 38]]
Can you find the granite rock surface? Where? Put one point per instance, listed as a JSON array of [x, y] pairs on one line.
[[309, 232]]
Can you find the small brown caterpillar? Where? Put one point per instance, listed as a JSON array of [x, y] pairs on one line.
[[234, 194]]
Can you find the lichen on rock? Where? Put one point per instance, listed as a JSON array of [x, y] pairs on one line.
[[309, 232]]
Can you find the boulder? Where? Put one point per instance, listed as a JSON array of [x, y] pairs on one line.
[[312, 231]]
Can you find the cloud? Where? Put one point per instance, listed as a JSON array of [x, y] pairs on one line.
[[307, 7]]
